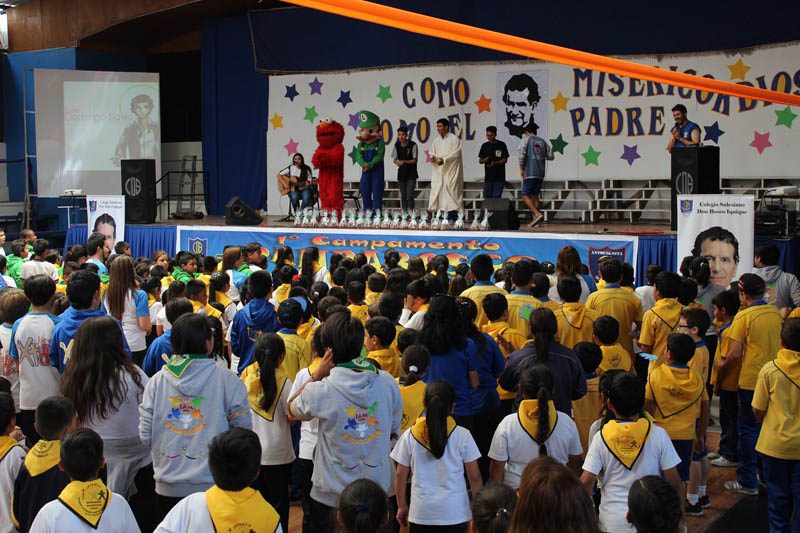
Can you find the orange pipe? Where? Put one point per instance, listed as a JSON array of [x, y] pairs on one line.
[[462, 33]]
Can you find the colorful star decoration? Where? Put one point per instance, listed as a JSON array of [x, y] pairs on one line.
[[713, 133], [558, 144], [316, 86], [276, 121], [353, 121], [384, 93], [738, 69], [344, 98], [311, 114], [785, 117], [591, 157], [484, 104], [630, 153], [559, 102], [291, 147], [760, 142], [352, 154], [428, 156], [291, 92]]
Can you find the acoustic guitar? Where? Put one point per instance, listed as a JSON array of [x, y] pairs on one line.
[[284, 186]]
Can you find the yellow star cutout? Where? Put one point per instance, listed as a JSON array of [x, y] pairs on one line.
[[738, 69], [276, 121], [559, 102]]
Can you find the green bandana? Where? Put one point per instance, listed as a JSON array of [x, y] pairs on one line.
[[178, 364], [359, 364]]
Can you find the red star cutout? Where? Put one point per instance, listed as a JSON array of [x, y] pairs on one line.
[[484, 104], [428, 156], [760, 142], [291, 147]]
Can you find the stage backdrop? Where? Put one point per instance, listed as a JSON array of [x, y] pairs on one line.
[[720, 228], [459, 247], [600, 125]]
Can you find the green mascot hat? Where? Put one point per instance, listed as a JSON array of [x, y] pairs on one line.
[[367, 119]]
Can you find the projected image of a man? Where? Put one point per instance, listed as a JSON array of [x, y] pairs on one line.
[[520, 96], [142, 139]]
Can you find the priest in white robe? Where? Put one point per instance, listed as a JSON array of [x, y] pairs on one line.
[[447, 179]]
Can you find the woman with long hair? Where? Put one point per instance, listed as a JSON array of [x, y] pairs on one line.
[[128, 304], [232, 259], [391, 259], [219, 352], [310, 268], [544, 349], [298, 175], [551, 498], [284, 255], [416, 268], [568, 263], [106, 388]]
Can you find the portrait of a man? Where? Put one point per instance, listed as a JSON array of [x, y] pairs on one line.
[[520, 98], [142, 138], [721, 249]]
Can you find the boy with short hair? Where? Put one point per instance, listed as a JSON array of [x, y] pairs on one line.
[[379, 338], [197, 293], [14, 260], [482, 268], [586, 410], [40, 480], [625, 450], [256, 318], [605, 333], [509, 340], [355, 297], [11, 457], [298, 350], [676, 396], [575, 320], [390, 306], [85, 504], [186, 269], [617, 302], [540, 288], [285, 276], [726, 382], [775, 401], [662, 320], [418, 297], [376, 284], [234, 459], [184, 406], [783, 289], [159, 352], [521, 298], [122, 248]]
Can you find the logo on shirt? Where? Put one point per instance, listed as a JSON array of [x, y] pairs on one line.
[[186, 418], [362, 426], [35, 352], [198, 246], [674, 391], [253, 333], [67, 349]]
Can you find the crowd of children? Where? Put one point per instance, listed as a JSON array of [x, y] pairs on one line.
[[196, 394]]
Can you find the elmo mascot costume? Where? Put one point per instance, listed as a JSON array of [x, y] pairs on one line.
[[369, 156], [329, 159]]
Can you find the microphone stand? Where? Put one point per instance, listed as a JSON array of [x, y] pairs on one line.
[[290, 215]]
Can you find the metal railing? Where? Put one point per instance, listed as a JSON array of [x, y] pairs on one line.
[[181, 196]]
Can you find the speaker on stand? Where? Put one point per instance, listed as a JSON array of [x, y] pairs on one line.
[[502, 214], [139, 189]]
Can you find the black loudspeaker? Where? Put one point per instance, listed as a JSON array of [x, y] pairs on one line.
[[502, 214], [139, 188], [694, 171], [238, 213]]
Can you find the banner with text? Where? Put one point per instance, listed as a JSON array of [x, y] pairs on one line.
[[106, 215], [718, 227]]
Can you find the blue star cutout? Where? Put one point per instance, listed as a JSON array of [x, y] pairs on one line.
[[630, 153], [291, 92], [713, 133], [316, 86], [353, 121], [344, 98]]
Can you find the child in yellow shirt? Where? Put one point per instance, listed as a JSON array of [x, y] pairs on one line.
[[662, 319], [586, 410], [605, 334], [376, 283], [521, 298], [416, 360], [482, 268], [575, 321], [380, 334], [725, 383], [495, 307], [298, 350], [540, 288], [614, 301], [355, 296]]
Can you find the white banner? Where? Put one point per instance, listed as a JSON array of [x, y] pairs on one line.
[[718, 227], [106, 215]]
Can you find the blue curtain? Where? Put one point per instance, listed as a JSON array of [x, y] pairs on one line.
[[655, 250], [144, 239]]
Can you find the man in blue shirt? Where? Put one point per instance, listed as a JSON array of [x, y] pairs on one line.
[[532, 154], [98, 248], [684, 133]]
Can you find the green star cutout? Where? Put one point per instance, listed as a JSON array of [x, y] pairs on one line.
[[311, 114], [559, 144], [384, 93], [352, 154], [591, 156], [785, 117]]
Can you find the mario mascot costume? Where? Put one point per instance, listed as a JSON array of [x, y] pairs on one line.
[[329, 159], [369, 156]]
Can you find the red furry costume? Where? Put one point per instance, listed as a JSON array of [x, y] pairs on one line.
[[329, 159]]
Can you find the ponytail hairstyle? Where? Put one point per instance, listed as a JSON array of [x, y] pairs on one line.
[[440, 397], [537, 382], [505, 272], [218, 334], [458, 284], [174, 290], [391, 259], [217, 283], [416, 267], [492, 508], [654, 506], [700, 271], [268, 353], [416, 360], [604, 387], [310, 256], [440, 267], [363, 507], [467, 313], [442, 329], [543, 331], [283, 254]]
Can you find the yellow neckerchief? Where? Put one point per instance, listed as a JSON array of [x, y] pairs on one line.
[[668, 310], [306, 328], [210, 311], [385, 357], [44, 455], [573, 313], [255, 392], [317, 266], [86, 499], [6, 444], [420, 431], [314, 365], [422, 308], [241, 510], [675, 386], [151, 299], [282, 292], [788, 362], [495, 329], [165, 281], [222, 299], [413, 402], [528, 416], [626, 441], [601, 284]]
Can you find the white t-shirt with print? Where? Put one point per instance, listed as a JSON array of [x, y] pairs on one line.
[[31, 338], [9, 367], [136, 306], [56, 517]]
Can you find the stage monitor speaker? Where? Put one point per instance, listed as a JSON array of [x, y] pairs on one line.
[[502, 214], [139, 188], [238, 213], [694, 171]]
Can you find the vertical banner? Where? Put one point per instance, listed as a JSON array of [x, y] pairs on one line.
[[106, 215], [718, 227]]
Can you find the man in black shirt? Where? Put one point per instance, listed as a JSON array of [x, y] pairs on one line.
[[493, 156], [404, 155]]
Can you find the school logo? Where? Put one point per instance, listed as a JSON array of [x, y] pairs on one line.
[[361, 426], [596, 253], [198, 246], [674, 391], [186, 418], [686, 206], [627, 446], [92, 206], [615, 360]]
